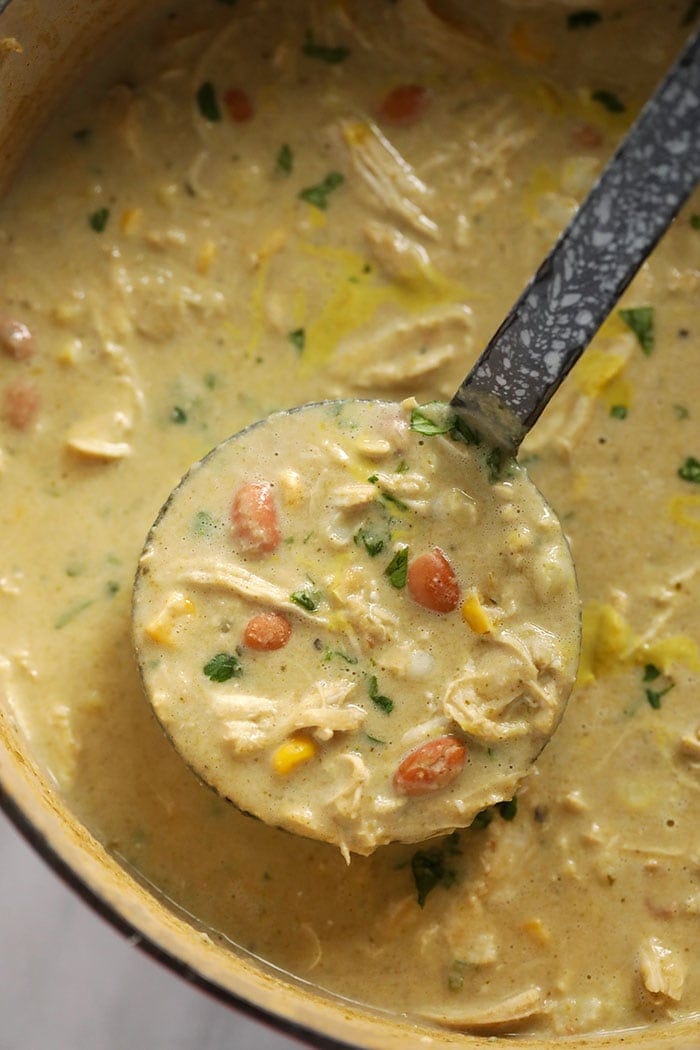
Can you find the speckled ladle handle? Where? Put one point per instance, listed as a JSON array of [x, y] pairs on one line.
[[632, 204]]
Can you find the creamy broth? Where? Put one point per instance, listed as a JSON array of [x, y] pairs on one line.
[[356, 624], [287, 202]]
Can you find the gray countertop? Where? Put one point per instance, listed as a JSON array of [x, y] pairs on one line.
[[68, 980]]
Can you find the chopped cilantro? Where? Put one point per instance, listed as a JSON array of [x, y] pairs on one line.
[[397, 569], [695, 221], [619, 411], [583, 19], [436, 417], [432, 867], [652, 673], [681, 412], [499, 464], [371, 540], [374, 739], [222, 667], [640, 319], [208, 102], [384, 703], [482, 820], [203, 524], [99, 219], [178, 415], [318, 195], [455, 974], [285, 159], [71, 612], [307, 598], [297, 338], [689, 470], [508, 809], [112, 588], [433, 418], [609, 100], [332, 55], [330, 653]]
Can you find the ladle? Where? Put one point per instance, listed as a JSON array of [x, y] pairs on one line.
[[306, 734]]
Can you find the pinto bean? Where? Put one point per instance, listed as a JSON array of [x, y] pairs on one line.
[[404, 104], [254, 519], [432, 582], [267, 631], [21, 403], [430, 767], [16, 339]]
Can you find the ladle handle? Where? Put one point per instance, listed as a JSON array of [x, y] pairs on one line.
[[635, 199]]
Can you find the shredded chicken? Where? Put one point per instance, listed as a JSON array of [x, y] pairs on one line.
[[662, 970], [231, 577], [251, 723], [389, 178], [502, 694], [402, 351], [495, 1016]]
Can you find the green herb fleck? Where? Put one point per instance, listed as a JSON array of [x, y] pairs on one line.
[[375, 739], [83, 135], [652, 673], [203, 524], [499, 464], [99, 219], [297, 338], [112, 588], [222, 667], [482, 820], [619, 411], [640, 319], [370, 540], [329, 654], [455, 974], [508, 809], [332, 55], [178, 415], [208, 102], [433, 418], [461, 431], [285, 159], [318, 195], [681, 412], [397, 569], [307, 598], [695, 221], [432, 867], [384, 703], [610, 100], [71, 612], [583, 19], [689, 470]]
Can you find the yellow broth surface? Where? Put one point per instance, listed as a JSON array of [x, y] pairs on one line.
[[257, 206]]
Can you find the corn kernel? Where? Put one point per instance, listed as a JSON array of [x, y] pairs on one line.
[[206, 257], [292, 487], [474, 614], [161, 628], [538, 931], [292, 753], [130, 220]]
